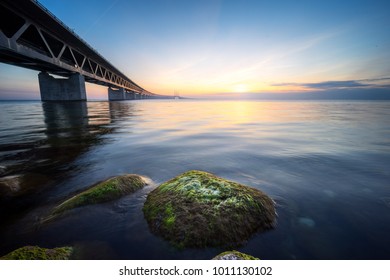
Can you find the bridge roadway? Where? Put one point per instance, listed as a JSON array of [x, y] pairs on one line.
[[34, 38]]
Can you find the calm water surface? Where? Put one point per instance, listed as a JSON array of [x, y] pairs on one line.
[[326, 164]]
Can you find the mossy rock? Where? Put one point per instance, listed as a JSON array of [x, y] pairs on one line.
[[108, 190], [198, 209], [234, 255], [38, 253]]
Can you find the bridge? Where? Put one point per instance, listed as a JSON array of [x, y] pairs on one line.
[[34, 38]]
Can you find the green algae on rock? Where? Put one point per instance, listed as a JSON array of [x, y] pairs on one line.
[[38, 253], [110, 189], [234, 255], [198, 209]]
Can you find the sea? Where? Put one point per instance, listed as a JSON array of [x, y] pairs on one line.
[[326, 164]]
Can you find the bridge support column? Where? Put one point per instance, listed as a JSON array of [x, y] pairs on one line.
[[116, 94], [130, 95], [70, 89]]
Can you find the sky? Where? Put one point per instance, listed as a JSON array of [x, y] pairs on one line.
[[243, 48]]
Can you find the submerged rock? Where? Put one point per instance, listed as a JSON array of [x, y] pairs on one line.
[[110, 189], [198, 209], [38, 253], [18, 185], [3, 170], [234, 255], [10, 184], [306, 222]]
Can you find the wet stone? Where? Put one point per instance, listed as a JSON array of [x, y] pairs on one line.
[[199, 209], [234, 255], [38, 253], [108, 190]]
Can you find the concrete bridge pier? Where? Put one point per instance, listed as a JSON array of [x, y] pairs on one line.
[[121, 94], [71, 89], [116, 94], [130, 95]]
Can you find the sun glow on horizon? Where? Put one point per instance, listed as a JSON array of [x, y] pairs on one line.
[[240, 88]]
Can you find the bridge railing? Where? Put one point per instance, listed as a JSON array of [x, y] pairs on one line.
[[65, 26]]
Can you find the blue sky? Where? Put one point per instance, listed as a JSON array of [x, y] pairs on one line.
[[229, 47]]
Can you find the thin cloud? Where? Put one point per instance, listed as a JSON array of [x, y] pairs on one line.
[[333, 85], [376, 80]]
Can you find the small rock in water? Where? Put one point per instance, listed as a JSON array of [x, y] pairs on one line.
[[3, 169], [234, 255], [21, 184], [10, 184], [108, 190], [38, 253], [307, 222]]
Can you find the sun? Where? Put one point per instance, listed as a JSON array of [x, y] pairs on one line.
[[240, 88]]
